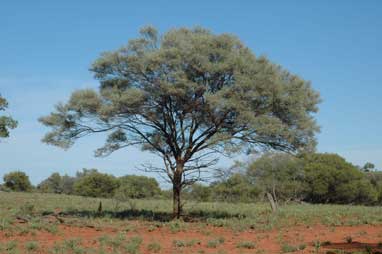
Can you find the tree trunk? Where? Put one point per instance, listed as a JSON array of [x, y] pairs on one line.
[[177, 205], [177, 189], [272, 202]]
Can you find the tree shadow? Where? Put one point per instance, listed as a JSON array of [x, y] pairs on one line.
[[375, 248], [148, 215]]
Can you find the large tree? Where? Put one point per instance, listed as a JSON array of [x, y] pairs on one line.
[[6, 122], [187, 96]]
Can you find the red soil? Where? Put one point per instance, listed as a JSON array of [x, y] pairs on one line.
[[268, 241]]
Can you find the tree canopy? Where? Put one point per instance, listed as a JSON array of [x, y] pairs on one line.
[[6, 122], [188, 95], [17, 181]]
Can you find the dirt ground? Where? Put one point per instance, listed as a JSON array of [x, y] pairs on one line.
[[309, 239]]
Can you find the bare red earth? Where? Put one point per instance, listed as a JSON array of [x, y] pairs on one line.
[[269, 241]]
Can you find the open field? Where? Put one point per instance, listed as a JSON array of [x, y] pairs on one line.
[[49, 223]]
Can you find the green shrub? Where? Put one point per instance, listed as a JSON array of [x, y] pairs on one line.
[[133, 186], [17, 181], [96, 184]]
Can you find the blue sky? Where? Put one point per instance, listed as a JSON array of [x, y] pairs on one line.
[[46, 48]]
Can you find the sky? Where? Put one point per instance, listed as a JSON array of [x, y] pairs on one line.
[[47, 47]]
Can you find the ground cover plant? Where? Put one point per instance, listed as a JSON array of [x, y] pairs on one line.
[[74, 225]]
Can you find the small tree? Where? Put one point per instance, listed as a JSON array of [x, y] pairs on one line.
[[200, 193], [279, 175], [188, 96], [52, 184], [17, 181], [96, 184], [6, 122], [133, 186], [56, 183], [368, 167], [237, 188], [330, 178]]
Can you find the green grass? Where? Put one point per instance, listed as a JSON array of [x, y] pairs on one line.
[[83, 211], [154, 247], [246, 245]]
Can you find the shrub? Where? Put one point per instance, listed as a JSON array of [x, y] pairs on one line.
[[133, 186], [279, 174], [56, 183], [199, 193], [96, 184], [17, 181], [235, 189], [331, 179]]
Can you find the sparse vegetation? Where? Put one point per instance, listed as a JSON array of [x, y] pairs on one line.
[[246, 245]]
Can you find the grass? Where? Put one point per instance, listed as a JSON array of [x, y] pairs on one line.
[[236, 216], [215, 242], [154, 247], [246, 245], [185, 243], [31, 246], [37, 208]]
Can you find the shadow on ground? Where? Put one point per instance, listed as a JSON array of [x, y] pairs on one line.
[[354, 247], [148, 215]]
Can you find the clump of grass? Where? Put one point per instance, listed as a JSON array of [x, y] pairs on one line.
[[74, 245], [11, 246], [116, 242], [215, 242], [286, 248], [317, 245], [31, 246], [133, 244], [5, 224], [368, 249], [26, 210], [185, 243], [176, 226], [154, 247], [246, 245]]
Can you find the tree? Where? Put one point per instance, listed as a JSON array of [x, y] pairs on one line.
[[331, 179], [133, 186], [279, 175], [237, 188], [96, 184], [368, 167], [6, 122], [17, 181], [56, 183], [51, 185], [199, 192], [188, 96]]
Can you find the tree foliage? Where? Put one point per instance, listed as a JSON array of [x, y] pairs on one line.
[[279, 174], [17, 181], [186, 96], [95, 184], [56, 183], [138, 187], [6, 122], [330, 178], [237, 188]]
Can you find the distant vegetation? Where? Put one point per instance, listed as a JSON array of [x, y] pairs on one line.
[[6, 122], [312, 178]]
